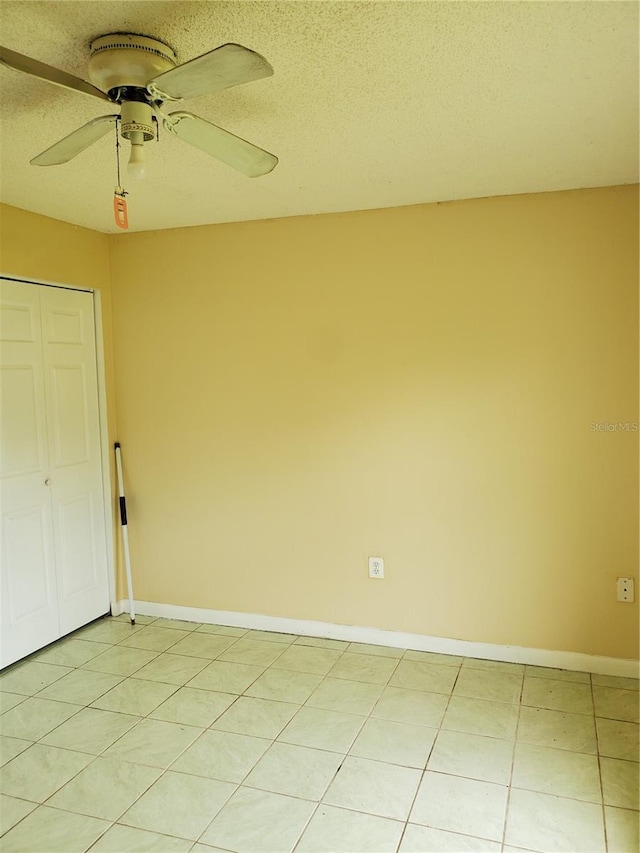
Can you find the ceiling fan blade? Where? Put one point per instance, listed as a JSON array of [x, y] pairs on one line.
[[228, 65], [47, 72], [76, 142], [238, 153]]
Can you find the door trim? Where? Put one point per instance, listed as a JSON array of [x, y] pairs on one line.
[[105, 447]]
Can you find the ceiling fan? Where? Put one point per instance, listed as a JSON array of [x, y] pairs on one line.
[[140, 74]]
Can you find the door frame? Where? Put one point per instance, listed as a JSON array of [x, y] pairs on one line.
[[105, 446]]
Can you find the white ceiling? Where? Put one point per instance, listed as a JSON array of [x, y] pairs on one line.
[[372, 104]]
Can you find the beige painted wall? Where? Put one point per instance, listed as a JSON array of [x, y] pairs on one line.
[[37, 247], [44, 249], [418, 384], [414, 383]]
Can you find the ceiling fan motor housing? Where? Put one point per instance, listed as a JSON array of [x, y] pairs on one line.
[[124, 60], [136, 121]]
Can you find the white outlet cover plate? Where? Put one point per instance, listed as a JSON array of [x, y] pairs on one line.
[[376, 567], [625, 589]]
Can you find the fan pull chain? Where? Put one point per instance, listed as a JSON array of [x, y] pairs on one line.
[[119, 196]]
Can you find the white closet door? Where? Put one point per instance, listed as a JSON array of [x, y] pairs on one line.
[[53, 565], [29, 606], [75, 465]]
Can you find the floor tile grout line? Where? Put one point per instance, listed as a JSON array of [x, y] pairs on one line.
[[600, 780], [110, 824], [24, 817], [314, 811], [135, 673], [271, 739], [248, 773], [512, 768], [93, 756], [155, 782], [275, 740], [121, 677], [239, 785], [100, 755], [243, 694], [93, 843], [415, 796], [444, 714], [64, 811], [426, 762], [439, 729], [28, 695]]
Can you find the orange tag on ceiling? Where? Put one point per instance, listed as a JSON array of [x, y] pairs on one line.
[[120, 210]]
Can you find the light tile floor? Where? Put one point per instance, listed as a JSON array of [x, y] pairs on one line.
[[174, 736]]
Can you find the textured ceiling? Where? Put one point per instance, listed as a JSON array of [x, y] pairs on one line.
[[371, 105]]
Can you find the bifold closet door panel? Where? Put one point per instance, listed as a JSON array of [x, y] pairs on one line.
[[74, 450], [28, 588]]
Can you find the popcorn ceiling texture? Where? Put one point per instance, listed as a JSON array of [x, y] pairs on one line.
[[372, 105]]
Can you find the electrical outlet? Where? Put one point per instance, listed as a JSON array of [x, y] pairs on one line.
[[624, 589], [376, 567]]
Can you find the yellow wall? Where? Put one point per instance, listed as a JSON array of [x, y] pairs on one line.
[[418, 384], [37, 247]]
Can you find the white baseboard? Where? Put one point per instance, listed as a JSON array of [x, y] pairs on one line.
[[396, 639]]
